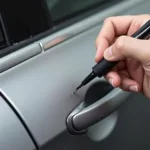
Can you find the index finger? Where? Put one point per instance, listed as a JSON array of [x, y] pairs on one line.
[[112, 28]]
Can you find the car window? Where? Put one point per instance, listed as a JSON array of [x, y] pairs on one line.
[[61, 9], [24, 22]]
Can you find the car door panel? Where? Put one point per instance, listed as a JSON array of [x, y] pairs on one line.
[[40, 88], [46, 80], [13, 135]]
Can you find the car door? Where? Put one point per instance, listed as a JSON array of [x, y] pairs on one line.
[[48, 48]]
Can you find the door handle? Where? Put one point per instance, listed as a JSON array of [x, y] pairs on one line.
[[83, 117]]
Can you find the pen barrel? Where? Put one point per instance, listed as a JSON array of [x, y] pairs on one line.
[[103, 67], [143, 32]]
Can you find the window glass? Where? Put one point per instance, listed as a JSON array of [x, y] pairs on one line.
[[24, 19], [60, 9]]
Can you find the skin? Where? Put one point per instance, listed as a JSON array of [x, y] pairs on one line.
[[114, 43]]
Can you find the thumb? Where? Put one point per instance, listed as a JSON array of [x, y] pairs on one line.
[[128, 47]]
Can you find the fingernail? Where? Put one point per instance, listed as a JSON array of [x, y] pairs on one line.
[[111, 81], [108, 52], [133, 88]]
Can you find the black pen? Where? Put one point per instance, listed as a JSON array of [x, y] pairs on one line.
[[104, 66]]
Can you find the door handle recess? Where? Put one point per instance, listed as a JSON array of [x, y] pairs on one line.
[[83, 117]]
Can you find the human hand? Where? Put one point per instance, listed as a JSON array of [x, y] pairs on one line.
[[132, 73]]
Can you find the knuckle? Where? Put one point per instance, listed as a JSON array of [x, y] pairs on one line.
[[110, 19], [107, 20], [120, 44]]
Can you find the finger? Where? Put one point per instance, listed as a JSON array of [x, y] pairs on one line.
[[116, 26], [112, 27], [135, 70], [137, 22], [103, 44], [113, 78], [128, 47], [128, 84]]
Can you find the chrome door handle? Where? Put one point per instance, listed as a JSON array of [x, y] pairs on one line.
[[83, 117]]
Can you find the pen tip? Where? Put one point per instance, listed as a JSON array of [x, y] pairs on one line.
[[74, 92], [77, 88]]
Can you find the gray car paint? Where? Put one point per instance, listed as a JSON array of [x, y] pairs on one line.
[[19, 56], [36, 87], [13, 136], [40, 87]]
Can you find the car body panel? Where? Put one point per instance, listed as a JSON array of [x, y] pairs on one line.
[[13, 135], [40, 88]]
